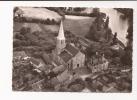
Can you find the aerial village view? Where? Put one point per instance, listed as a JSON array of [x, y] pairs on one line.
[[72, 49]]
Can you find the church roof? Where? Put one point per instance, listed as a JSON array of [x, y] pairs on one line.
[[71, 49], [69, 52], [65, 56], [61, 32]]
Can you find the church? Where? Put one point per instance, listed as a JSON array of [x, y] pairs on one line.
[[67, 54]]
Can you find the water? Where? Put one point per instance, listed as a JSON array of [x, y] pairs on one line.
[[117, 24]]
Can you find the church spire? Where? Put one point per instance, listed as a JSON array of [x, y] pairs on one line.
[[60, 42], [61, 32]]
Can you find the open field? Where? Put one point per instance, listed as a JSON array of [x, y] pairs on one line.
[[77, 25]]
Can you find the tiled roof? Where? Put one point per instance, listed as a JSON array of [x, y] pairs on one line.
[[71, 49], [65, 56]]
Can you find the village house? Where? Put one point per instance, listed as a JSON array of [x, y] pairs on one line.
[[84, 43], [98, 63], [67, 54], [38, 65], [20, 55]]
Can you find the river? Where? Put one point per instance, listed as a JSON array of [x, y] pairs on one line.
[[117, 24]]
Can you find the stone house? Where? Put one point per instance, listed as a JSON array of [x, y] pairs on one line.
[[98, 63]]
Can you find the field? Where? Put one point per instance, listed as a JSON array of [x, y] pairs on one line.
[[40, 13], [77, 25]]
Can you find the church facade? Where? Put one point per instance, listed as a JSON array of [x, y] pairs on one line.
[[66, 53]]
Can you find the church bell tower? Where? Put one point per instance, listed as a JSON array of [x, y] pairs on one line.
[[60, 40]]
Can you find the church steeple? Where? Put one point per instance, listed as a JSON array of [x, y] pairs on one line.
[[60, 42], [61, 32]]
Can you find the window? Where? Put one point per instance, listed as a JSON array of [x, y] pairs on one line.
[[68, 65], [77, 65], [61, 41]]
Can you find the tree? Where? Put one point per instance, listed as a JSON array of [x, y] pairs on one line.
[[107, 23], [16, 43], [115, 40], [53, 21], [109, 34], [78, 9], [25, 30], [19, 36], [18, 11], [96, 11], [91, 50], [108, 53], [48, 21], [126, 59], [15, 10]]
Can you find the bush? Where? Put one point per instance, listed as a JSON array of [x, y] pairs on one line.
[[16, 43], [76, 82], [77, 87], [19, 36], [34, 20]]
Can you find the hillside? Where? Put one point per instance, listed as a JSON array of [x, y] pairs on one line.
[[40, 13]]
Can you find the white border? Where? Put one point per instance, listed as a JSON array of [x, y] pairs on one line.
[[6, 29]]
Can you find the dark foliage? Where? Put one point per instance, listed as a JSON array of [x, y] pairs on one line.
[[34, 20]]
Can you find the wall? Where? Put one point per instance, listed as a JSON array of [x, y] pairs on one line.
[[79, 59]]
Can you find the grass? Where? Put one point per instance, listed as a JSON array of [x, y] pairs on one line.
[[78, 26]]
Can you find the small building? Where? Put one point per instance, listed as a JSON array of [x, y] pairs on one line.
[[98, 63], [38, 65], [35, 62], [84, 43]]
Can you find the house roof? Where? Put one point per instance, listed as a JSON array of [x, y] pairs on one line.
[[34, 61], [46, 58], [84, 41], [63, 76], [71, 49], [65, 56]]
